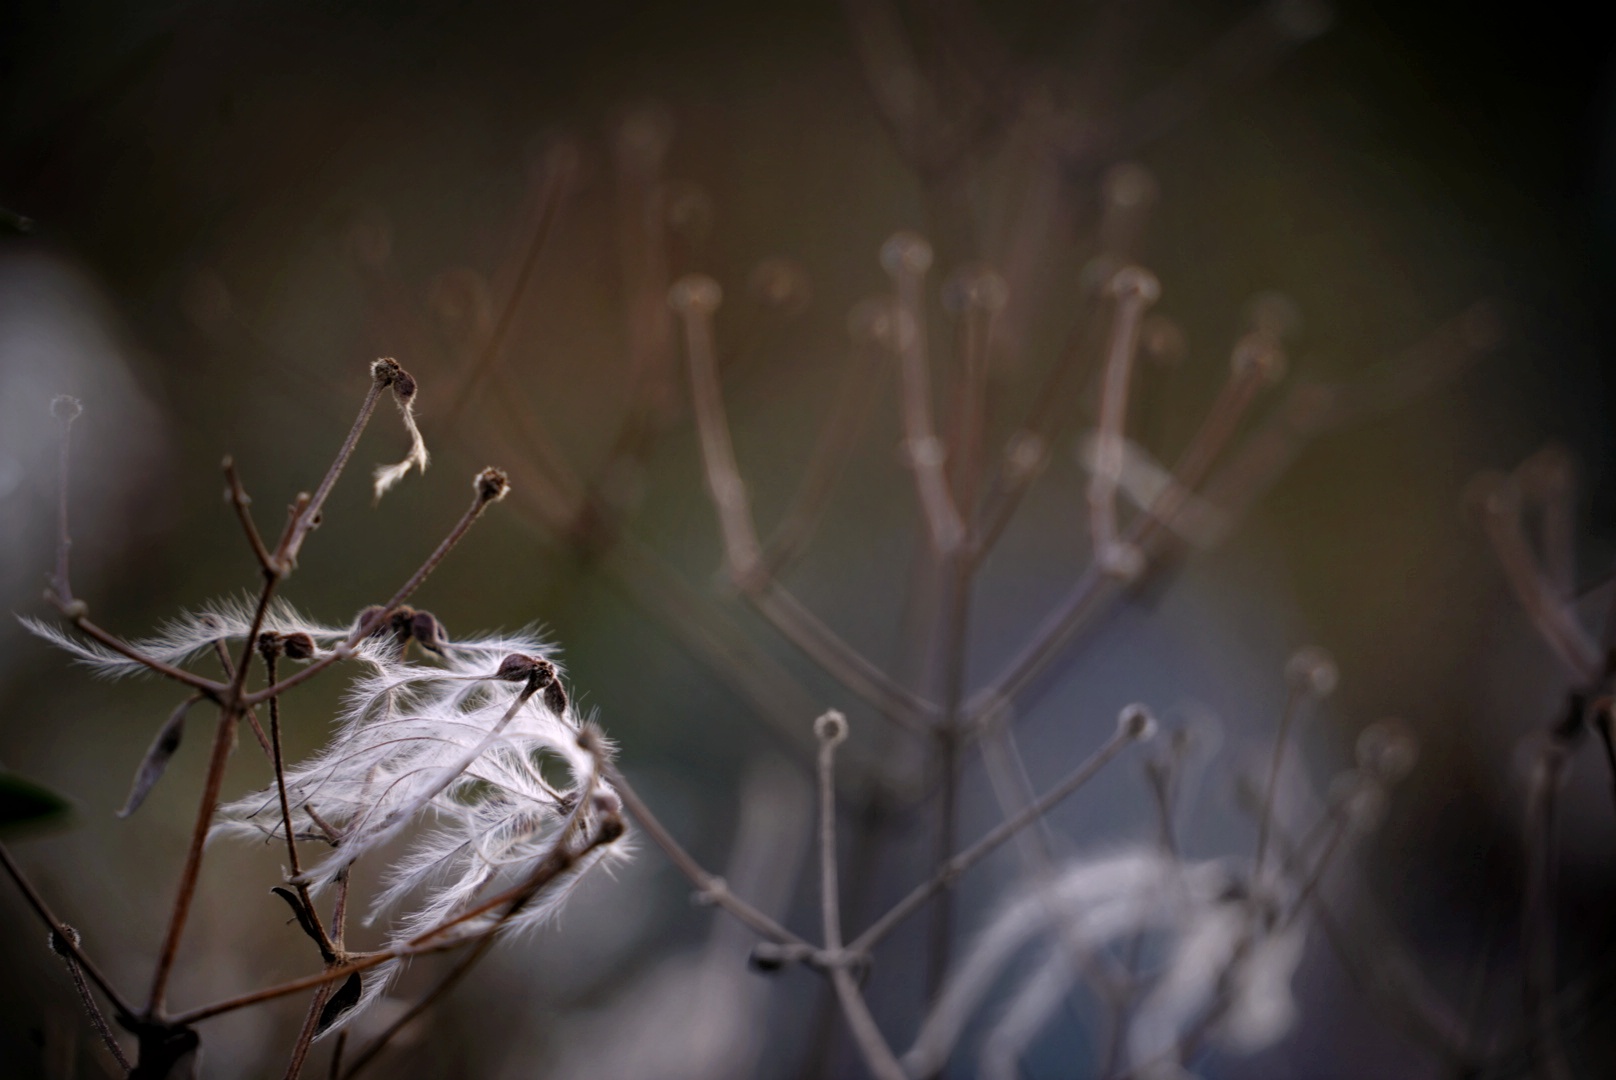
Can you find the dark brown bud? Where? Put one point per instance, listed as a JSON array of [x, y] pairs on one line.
[[403, 386], [385, 370], [492, 484], [555, 698], [370, 616], [428, 632], [298, 646], [270, 645], [533, 670], [612, 829]]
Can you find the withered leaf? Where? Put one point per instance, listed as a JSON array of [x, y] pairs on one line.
[[305, 917], [346, 997], [157, 758]]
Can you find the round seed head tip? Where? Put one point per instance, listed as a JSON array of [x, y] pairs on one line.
[[979, 288], [830, 727], [519, 667], [1136, 723], [695, 294], [1135, 282], [1122, 561], [906, 253], [1312, 670], [492, 485], [66, 408], [1387, 750], [1259, 354], [384, 370]]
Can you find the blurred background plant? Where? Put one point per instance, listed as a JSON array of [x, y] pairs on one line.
[[230, 207]]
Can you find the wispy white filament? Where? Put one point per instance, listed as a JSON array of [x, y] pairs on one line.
[[187, 636], [1218, 944], [485, 780]]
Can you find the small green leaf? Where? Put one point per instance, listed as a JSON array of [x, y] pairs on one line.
[[23, 802]]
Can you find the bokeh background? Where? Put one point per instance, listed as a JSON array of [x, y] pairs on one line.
[[234, 208]]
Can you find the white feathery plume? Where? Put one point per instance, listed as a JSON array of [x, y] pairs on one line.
[[183, 638], [1219, 943], [460, 747]]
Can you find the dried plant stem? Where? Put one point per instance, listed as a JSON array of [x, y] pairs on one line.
[[97, 1020], [556, 180], [867, 1036], [1265, 819], [305, 1035], [327, 947], [1135, 290], [907, 258], [60, 932], [308, 516], [231, 709], [839, 659], [558, 863], [213, 691], [696, 298], [462, 967], [1550, 615], [251, 717], [241, 503], [345, 649], [838, 437], [831, 730], [710, 887], [1095, 589], [1027, 452], [1005, 830]]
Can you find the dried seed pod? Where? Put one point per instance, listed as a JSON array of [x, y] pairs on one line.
[[427, 632], [492, 485], [298, 646]]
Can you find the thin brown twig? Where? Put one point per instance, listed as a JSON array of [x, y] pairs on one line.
[[251, 716], [75, 612], [241, 502], [345, 649], [91, 1009], [906, 258], [223, 742], [1265, 820], [308, 515], [1005, 830], [557, 178], [311, 1026], [60, 930], [462, 967], [710, 887], [548, 870]]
